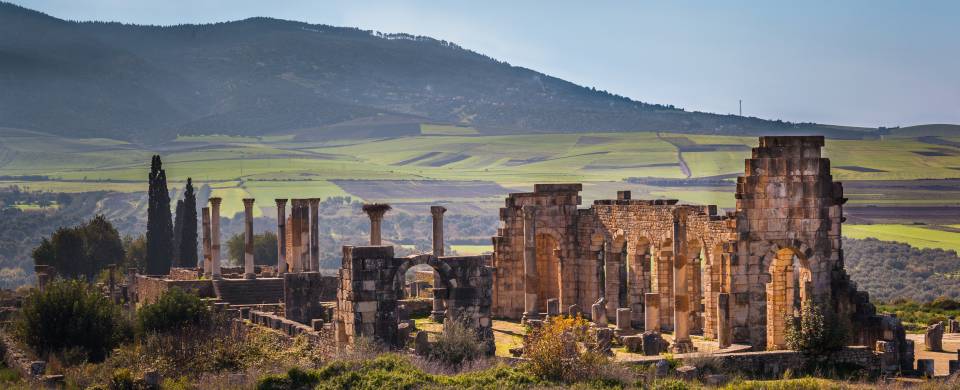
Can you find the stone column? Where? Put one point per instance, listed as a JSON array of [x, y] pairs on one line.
[[531, 280], [205, 222], [314, 234], [681, 297], [437, 211], [375, 211], [305, 235], [248, 268], [723, 319], [215, 237], [281, 236], [651, 312], [296, 206]]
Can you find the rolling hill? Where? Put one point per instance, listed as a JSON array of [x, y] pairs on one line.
[[260, 76]]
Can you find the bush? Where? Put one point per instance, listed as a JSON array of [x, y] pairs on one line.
[[122, 379], [817, 331], [70, 315], [559, 351], [456, 344], [174, 310]]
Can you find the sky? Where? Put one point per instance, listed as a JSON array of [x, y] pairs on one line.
[[856, 63]]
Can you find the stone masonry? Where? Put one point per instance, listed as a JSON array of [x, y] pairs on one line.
[[779, 249]]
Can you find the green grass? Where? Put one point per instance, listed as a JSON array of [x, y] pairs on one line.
[[435, 129], [915, 235], [467, 250]]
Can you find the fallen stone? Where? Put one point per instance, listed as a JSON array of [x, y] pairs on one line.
[[604, 340], [574, 311], [633, 343], [925, 367], [421, 344], [662, 368], [687, 373], [653, 343]]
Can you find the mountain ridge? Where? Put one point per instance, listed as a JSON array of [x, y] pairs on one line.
[[262, 75]]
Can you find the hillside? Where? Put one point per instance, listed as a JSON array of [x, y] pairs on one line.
[[259, 76]]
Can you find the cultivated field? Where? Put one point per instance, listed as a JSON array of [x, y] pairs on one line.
[[458, 166]]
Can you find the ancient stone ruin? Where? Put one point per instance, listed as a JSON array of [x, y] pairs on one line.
[[686, 269], [655, 270]]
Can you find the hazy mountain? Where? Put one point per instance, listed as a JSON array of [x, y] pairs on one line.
[[262, 75]]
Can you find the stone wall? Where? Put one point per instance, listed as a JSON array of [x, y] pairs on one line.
[[303, 293], [148, 289], [773, 364], [178, 273], [782, 242]]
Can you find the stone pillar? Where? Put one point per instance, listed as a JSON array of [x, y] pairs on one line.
[[375, 211], [281, 236], [296, 206], [933, 338], [598, 312], [553, 307], [624, 319], [437, 211], [205, 222], [314, 234], [305, 235], [531, 281], [651, 312], [681, 294], [723, 319], [248, 268], [215, 237]]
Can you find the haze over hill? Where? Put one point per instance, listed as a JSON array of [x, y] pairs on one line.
[[260, 76]]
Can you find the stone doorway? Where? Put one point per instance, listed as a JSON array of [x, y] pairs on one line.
[[548, 269], [789, 288]]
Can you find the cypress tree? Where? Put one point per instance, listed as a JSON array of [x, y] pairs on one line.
[[159, 223], [177, 233], [188, 237]]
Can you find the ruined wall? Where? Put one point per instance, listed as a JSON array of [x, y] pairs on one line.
[[148, 289], [304, 292], [371, 283]]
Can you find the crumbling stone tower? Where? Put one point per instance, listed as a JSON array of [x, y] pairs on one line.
[[788, 226]]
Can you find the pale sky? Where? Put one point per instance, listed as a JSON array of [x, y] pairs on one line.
[[857, 63]]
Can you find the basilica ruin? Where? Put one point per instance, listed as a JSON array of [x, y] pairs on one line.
[[650, 267]]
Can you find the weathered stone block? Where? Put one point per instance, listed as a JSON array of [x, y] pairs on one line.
[[933, 338], [925, 367]]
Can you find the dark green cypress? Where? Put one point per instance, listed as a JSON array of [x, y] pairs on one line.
[[177, 233], [159, 223], [188, 232]]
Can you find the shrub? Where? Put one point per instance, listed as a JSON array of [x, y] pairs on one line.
[[70, 315], [174, 310], [817, 331], [122, 379], [559, 351], [456, 344]]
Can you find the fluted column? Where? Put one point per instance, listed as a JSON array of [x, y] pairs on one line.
[[375, 211], [281, 236], [531, 280], [205, 222], [248, 268], [314, 234], [437, 211], [215, 237], [304, 222]]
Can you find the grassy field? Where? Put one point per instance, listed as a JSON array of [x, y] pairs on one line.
[[916, 235], [280, 166], [469, 250]]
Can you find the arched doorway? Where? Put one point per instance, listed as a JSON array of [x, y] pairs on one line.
[[694, 271], [548, 269], [788, 289]]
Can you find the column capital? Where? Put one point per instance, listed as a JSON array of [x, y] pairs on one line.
[[376, 210], [437, 211], [215, 201], [280, 202], [314, 202], [529, 210], [248, 202]]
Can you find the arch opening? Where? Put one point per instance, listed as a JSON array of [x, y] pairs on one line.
[[788, 289]]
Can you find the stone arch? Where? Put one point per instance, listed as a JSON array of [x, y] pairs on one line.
[[788, 288], [640, 257], [447, 277]]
